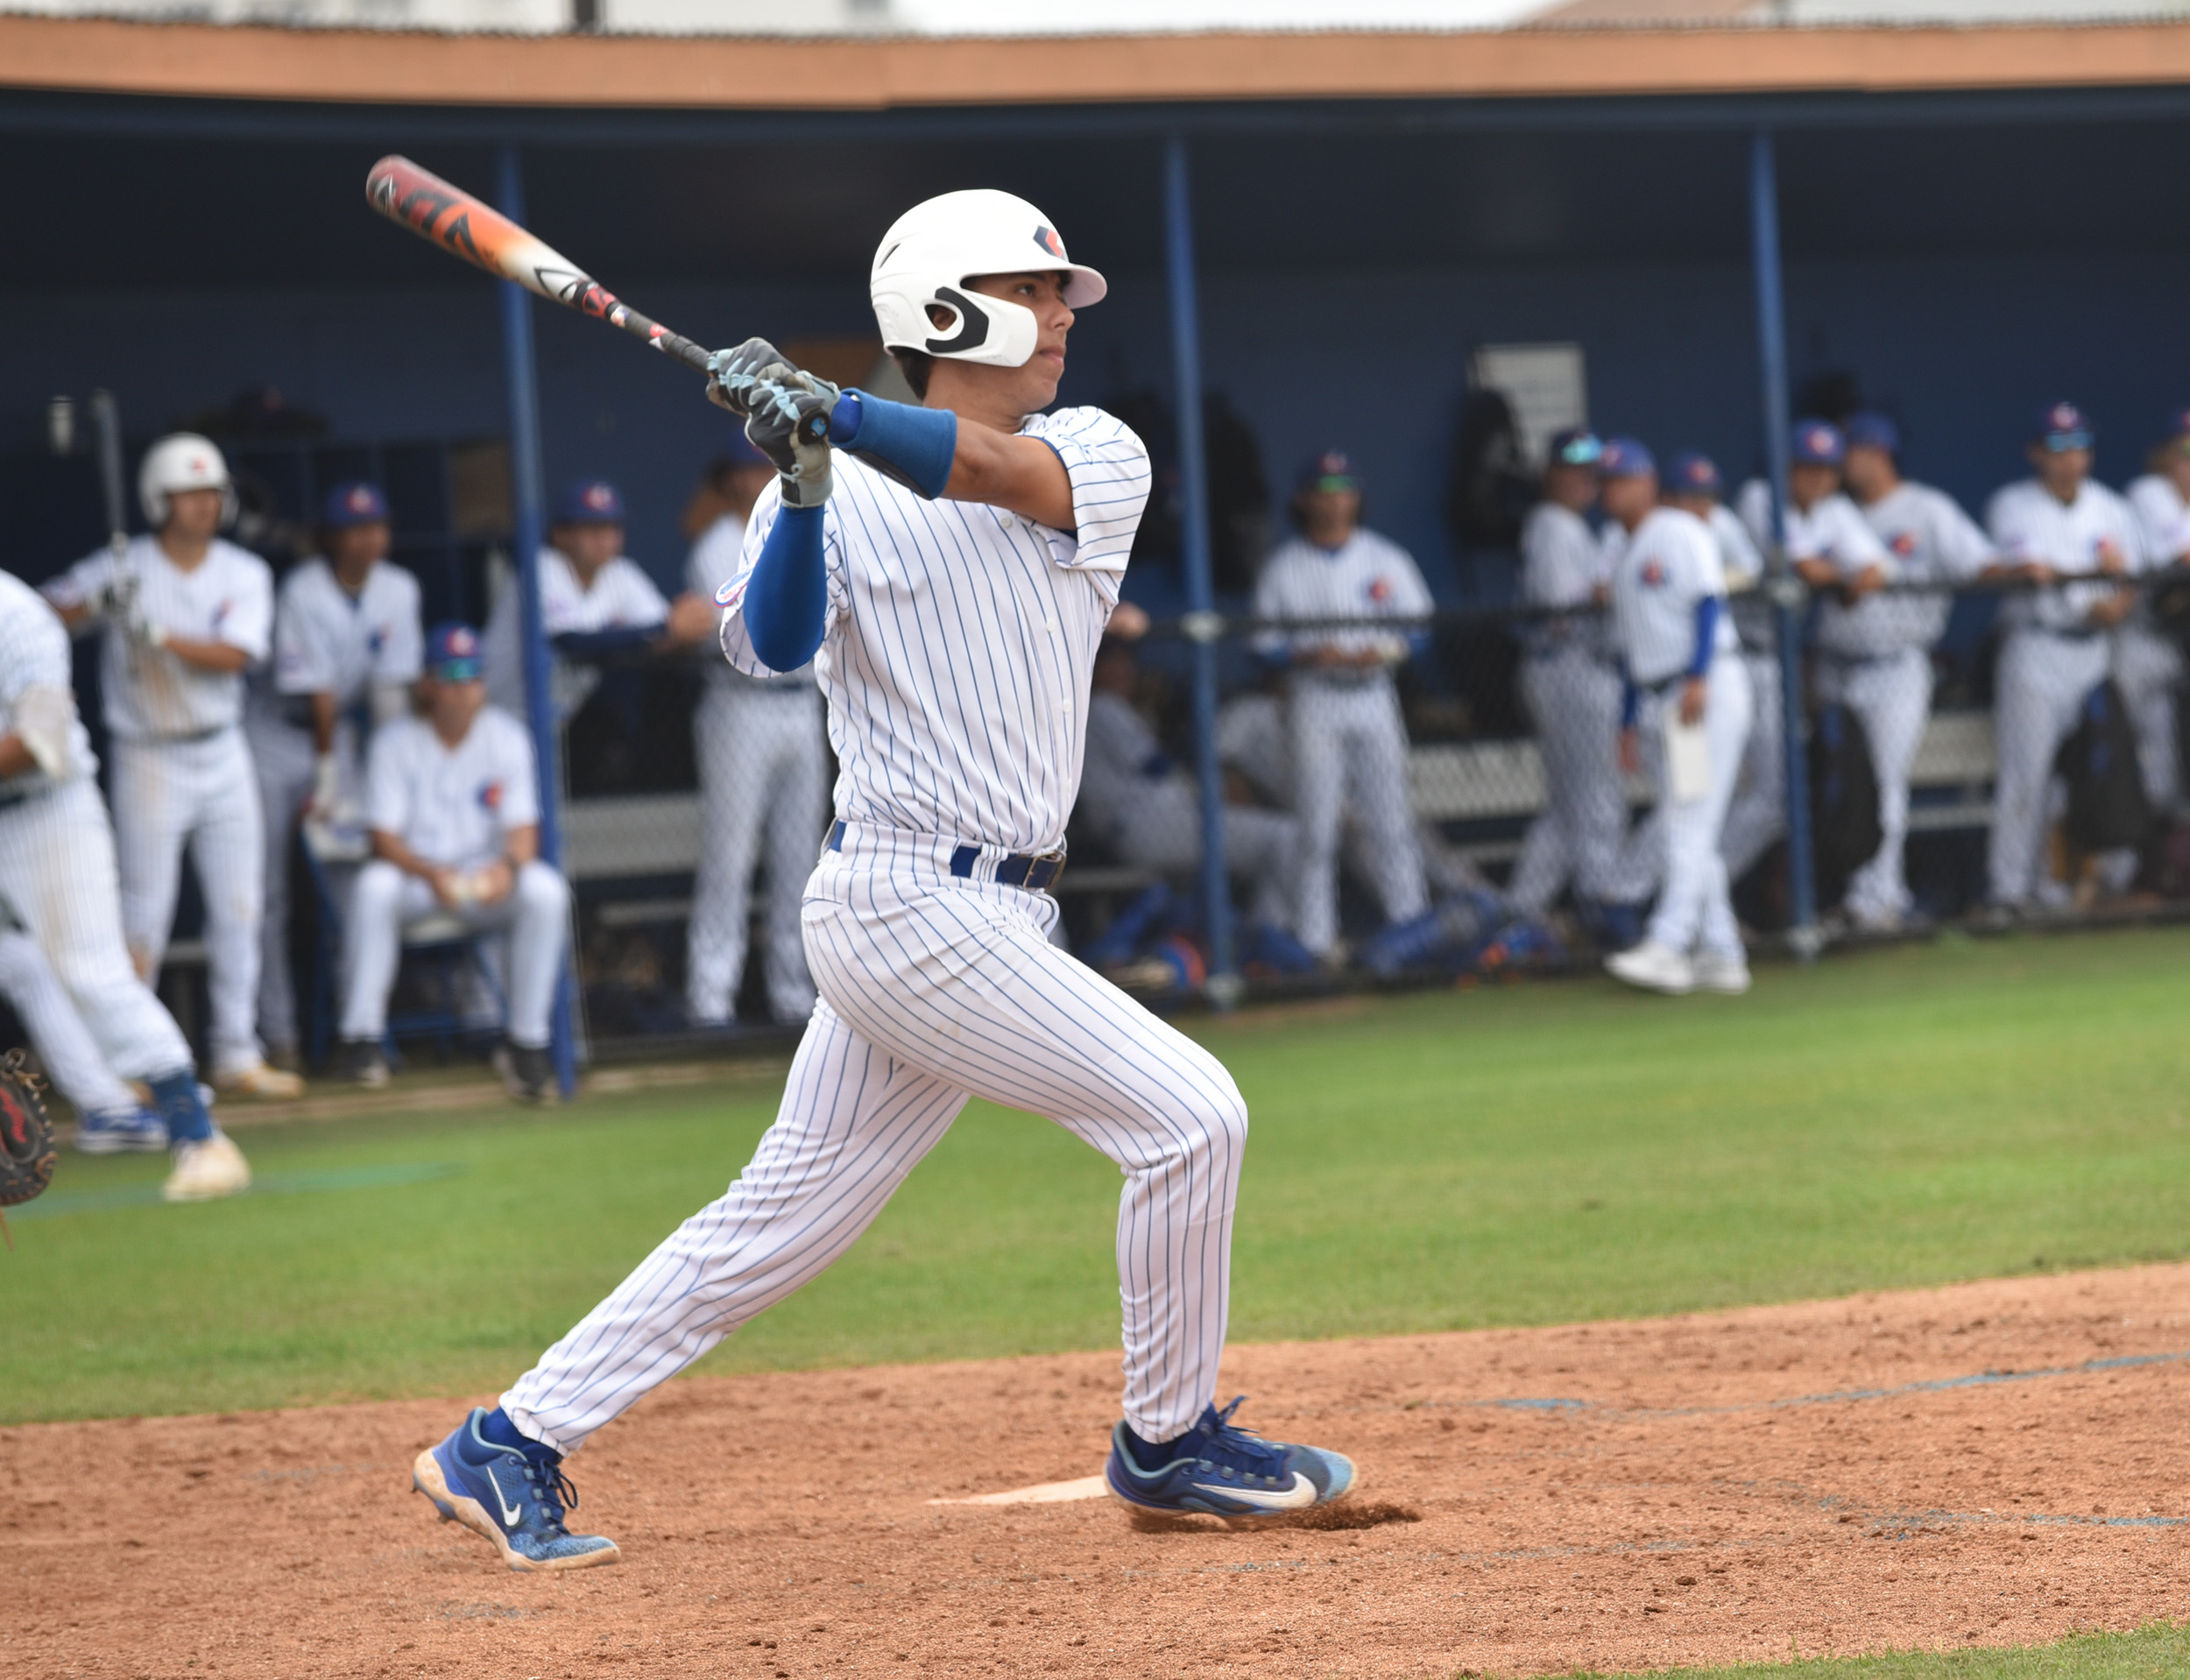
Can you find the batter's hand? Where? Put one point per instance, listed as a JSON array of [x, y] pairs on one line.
[[1630, 753], [784, 405], [732, 373], [1693, 694]]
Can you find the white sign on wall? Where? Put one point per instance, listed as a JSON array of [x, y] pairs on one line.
[[1545, 384]]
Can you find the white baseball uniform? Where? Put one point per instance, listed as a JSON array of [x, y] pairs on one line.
[[1145, 809], [1570, 683], [761, 746], [328, 641], [1875, 658], [956, 664], [455, 806], [182, 773], [59, 882], [1349, 739], [2053, 656], [2148, 665], [1667, 567], [621, 596]]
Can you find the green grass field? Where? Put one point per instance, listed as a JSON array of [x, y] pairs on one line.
[[2152, 1653], [1523, 1155]]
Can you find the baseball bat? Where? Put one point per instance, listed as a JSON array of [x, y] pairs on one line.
[[466, 227]]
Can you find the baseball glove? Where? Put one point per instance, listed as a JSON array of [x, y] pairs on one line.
[[26, 1134]]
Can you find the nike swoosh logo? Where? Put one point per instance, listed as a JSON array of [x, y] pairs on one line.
[[509, 1513], [1301, 1493]]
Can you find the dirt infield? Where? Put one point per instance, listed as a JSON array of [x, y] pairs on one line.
[[1994, 1463]]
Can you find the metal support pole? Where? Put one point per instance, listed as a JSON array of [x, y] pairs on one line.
[[1202, 623], [531, 502], [1786, 589]]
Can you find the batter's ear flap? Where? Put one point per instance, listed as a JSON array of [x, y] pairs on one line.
[[972, 323]]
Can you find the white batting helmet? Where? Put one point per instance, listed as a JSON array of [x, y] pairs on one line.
[[182, 461], [934, 248]]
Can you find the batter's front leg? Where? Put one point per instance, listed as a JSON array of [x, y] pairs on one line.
[[853, 1122], [229, 850]]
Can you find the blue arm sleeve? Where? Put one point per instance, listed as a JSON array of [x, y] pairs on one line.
[[787, 598], [914, 446], [593, 643], [1708, 611], [1417, 643], [1630, 698]]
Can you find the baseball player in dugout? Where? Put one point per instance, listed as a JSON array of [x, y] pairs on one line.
[[1349, 738], [948, 569], [58, 885], [2078, 542], [594, 600], [2148, 665], [1874, 647], [1570, 683], [186, 614], [761, 747], [452, 801], [346, 647], [1687, 692]]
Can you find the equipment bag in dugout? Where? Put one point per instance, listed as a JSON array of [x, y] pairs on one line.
[[1844, 824], [2107, 807], [26, 1135]]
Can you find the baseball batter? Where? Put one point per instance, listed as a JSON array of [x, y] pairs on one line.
[[1570, 683], [346, 644], [1875, 649], [1349, 739], [762, 751], [186, 614], [949, 573], [109, 1118], [2147, 664], [2076, 539], [58, 885], [1682, 664]]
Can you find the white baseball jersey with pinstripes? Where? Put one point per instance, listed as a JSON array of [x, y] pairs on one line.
[[959, 644]]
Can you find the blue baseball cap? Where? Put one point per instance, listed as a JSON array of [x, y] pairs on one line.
[[1333, 469], [355, 503], [1623, 457], [1694, 473], [744, 452], [452, 653], [1868, 431], [589, 501], [1817, 443], [2062, 425], [1573, 446]]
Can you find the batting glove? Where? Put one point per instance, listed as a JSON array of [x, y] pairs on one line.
[[788, 422], [732, 373]]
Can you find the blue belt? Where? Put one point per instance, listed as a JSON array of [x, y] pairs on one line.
[[1037, 871]]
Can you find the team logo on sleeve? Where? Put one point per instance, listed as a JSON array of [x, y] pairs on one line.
[[1380, 589], [1652, 575], [1903, 543], [489, 796], [732, 595]]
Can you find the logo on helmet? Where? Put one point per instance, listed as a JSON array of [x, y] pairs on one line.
[[1049, 241]]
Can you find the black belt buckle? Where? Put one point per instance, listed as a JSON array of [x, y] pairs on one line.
[[1037, 873]]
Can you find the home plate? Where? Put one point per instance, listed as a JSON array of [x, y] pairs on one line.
[[1087, 1487]]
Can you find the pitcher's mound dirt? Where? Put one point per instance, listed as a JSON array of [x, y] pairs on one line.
[[1994, 1464]]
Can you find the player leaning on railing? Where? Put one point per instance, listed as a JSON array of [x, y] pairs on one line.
[[950, 569]]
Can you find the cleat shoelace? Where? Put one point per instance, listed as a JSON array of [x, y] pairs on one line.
[[1231, 1450], [552, 1491]]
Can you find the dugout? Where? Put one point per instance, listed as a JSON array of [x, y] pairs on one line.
[[1971, 221]]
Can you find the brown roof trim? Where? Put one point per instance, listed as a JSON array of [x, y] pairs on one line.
[[384, 66]]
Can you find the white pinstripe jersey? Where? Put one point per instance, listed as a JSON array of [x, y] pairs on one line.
[[960, 640], [2028, 522], [1564, 563], [330, 641], [1668, 565], [147, 693], [1369, 577], [34, 655]]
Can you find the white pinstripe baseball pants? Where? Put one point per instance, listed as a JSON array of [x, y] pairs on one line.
[[935, 989]]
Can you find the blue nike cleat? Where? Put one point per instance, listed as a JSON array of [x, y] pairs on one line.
[[514, 1497], [122, 1131], [1218, 1471]]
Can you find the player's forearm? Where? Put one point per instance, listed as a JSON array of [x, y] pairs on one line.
[[520, 846], [15, 758], [323, 715], [392, 848], [220, 657]]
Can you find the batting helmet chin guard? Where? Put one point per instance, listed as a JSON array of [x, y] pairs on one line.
[[934, 248], [182, 461]]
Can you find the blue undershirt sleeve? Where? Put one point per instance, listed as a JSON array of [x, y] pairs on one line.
[[787, 598], [913, 446], [1708, 611], [1630, 698]]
